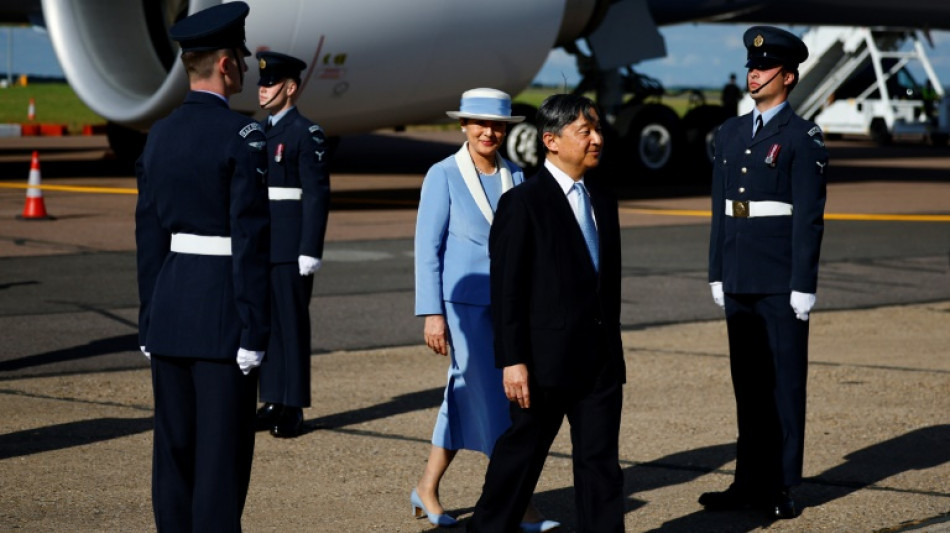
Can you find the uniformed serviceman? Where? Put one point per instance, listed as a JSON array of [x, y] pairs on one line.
[[299, 191], [768, 200], [202, 236]]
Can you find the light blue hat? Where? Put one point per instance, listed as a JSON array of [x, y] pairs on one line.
[[485, 104]]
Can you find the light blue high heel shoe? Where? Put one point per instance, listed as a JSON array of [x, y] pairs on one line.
[[419, 510], [539, 527]]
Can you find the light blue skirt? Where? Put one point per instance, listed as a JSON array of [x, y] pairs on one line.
[[474, 410]]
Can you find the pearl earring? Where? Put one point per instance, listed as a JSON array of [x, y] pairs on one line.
[[463, 130]]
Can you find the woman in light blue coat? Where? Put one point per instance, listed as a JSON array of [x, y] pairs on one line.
[[459, 197]]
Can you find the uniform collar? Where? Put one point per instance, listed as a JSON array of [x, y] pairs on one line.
[[274, 119], [221, 96], [767, 116]]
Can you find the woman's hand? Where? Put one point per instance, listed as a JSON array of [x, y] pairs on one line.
[[435, 334]]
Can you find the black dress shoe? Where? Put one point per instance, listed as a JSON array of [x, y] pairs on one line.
[[267, 415], [289, 424], [783, 506], [731, 499]]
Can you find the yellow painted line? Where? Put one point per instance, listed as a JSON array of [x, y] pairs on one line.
[[828, 216], [670, 212], [636, 210], [71, 188]]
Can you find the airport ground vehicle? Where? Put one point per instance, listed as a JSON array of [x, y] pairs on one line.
[[856, 81]]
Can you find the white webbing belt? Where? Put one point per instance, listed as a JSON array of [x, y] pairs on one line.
[[284, 193], [749, 209], [186, 243]]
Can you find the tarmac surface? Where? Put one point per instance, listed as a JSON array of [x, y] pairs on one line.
[[75, 394]]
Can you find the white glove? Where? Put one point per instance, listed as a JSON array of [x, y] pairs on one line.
[[308, 265], [802, 302], [718, 297], [147, 354], [247, 359]]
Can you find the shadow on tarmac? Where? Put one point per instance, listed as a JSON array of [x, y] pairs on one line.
[[920, 449], [405, 403], [70, 435], [109, 345]]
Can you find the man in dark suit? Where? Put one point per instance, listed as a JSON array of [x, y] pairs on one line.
[[768, 201], [555, 295], [202, 234], [299, 192]]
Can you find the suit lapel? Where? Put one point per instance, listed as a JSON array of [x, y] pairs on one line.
[[474, 185]]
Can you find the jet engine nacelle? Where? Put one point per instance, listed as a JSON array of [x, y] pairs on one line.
[[371, 63]]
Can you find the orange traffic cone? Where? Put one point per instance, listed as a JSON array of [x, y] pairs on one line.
[[31, 111], [34, 209]]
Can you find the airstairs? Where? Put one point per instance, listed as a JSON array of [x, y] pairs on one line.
[[855, 82]]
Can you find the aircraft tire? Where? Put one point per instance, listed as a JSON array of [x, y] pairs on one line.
[[522, 146], [653, 138]]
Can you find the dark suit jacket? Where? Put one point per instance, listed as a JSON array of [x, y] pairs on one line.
[[551, 310], [298, 227], [777, 254]]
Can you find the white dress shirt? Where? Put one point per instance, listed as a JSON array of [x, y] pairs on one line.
[[567, 185]]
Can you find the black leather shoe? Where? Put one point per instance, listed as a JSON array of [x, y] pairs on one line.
[[289, 424], [783, 506], [731, 499], [267, 415]]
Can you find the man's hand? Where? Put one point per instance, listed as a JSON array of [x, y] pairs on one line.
[[148, 355], [248, 359], [434, 332], [802, 303], [717, 294], [515, 380], [308, 265]]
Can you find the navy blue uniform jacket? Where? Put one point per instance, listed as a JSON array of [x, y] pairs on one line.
[[298, 227], [551, 310], [203, 172], [773, 254]]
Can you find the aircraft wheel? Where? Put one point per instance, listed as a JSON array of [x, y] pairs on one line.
[[522, 146], [653, 135]]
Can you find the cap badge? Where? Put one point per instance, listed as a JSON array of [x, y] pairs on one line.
[[759, 41], [263, 64]]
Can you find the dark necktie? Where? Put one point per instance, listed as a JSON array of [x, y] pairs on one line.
[[586, 221], [758, 126]]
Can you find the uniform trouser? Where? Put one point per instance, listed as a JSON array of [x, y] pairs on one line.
[[285, 371], [203, 443], [519, 455], [768, 349]]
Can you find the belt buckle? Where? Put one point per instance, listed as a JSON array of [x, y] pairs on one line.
[[740, 208]]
